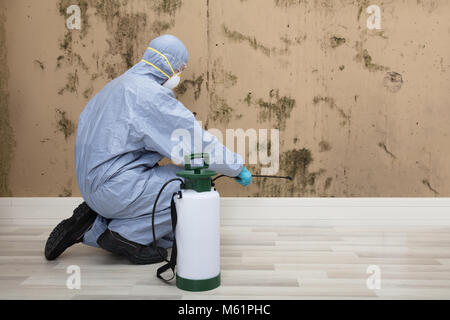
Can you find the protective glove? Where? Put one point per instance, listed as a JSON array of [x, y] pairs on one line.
[[244, 178]]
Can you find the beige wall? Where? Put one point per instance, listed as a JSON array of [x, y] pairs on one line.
[[364, 116]]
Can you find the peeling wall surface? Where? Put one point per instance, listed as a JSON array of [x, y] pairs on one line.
[[361, 113]]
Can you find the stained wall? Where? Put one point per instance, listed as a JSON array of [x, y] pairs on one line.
[[360, 112]]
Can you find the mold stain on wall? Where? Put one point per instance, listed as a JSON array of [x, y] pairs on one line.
[[65, 193], [286, 42], [40, 64], [66, 44], [69, 57], [220, 76], [195, 83], [160, 27], [287, 3], [365, 58], [427, 183], [7, 142], [295, 163], [72, 83], [64, 124], [166, 10], [327, 100], [324, 146], [386, 150], [168, 6], [220, 81], [239, 37], [393, 81], [220, 111], [125, 31], [332, 105], [336, 41], [248, 99], [289, 42], [278, 108], [328, 183], [362, 5], [88, 92]]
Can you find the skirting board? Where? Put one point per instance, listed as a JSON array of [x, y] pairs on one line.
[[255, 212]]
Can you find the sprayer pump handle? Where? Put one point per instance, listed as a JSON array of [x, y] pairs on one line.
[[189, 158]]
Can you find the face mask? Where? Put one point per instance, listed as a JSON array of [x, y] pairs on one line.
[[173, 82]]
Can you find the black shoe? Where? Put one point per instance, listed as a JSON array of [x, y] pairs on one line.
[[70, 231], [137, 253]]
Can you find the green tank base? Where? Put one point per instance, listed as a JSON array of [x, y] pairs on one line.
[[198, 285]]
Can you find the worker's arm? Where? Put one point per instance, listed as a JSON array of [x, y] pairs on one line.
[[170, 129]]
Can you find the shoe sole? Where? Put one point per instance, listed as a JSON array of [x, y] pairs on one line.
[[123, 252], [63, 236]]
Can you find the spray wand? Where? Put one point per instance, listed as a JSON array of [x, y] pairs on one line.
[[258, 176]]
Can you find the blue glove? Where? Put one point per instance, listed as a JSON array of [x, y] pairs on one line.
[[244, 178]]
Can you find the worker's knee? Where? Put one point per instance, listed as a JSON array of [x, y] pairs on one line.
[[119, 200]]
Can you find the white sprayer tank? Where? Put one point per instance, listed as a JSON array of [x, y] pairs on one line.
[[198, 240], [198, 229]]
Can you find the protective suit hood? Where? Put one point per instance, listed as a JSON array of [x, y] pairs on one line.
[[172, 48]]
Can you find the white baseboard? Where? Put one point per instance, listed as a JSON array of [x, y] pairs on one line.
[[261, 211]]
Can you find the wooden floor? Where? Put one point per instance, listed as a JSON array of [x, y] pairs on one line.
[[271, 249]]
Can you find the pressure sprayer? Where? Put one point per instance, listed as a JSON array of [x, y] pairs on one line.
[[195, 214]]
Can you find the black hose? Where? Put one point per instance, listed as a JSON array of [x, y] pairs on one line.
[[153, 215]]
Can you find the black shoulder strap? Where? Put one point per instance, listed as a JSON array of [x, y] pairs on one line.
[[173, 257]]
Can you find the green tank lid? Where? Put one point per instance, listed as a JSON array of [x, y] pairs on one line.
[[197, 178]]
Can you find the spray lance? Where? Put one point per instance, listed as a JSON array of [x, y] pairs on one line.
[[195, 214]]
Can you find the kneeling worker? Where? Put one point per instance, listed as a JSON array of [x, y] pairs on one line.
[[123, 132]]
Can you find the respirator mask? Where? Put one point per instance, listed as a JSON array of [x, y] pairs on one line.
[[173, 82]]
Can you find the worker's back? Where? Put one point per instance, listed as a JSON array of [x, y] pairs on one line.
[[106, 144]]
